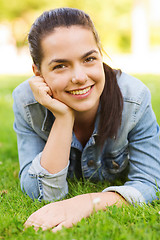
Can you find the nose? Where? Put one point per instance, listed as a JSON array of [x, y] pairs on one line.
[[79, 76]]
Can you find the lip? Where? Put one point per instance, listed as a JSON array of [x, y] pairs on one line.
[[79, 89], [81, 96]]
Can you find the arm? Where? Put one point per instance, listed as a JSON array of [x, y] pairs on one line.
[[144, 175], [36, 181], [29, 143], [144, 156], [53, 158], [55, 155], [69, 212]]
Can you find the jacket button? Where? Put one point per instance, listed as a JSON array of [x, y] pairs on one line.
[[115, 165], [90, 163]]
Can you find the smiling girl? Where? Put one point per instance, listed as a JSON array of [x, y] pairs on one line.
[[79, 117]]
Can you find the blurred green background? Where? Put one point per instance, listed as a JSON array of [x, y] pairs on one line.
[[126, 27], [111, 17]]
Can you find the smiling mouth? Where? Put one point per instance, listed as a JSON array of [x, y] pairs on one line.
[[80, 92]]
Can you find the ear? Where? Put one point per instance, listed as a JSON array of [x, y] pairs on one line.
[[35, 70]]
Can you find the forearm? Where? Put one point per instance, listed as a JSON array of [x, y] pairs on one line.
[[70, 211], [56, 152]]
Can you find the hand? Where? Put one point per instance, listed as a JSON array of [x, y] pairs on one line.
[[43, 95], [69, 212], [63, 213]]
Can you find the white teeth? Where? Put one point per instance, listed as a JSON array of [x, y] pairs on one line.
[[80, 92]]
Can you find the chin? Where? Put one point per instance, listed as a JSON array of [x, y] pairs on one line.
[[85, 108]]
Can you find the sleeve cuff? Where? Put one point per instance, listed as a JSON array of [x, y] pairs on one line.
[[131, 194], [51, 186]]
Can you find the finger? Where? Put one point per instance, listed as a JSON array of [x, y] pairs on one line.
[[40, 221], [37, 225], [44, 228], [38, 218], [36, 79], [57, 228], [35, 219], [40, 88], [30, 224], [44, 88], [67, 224], [49, 91]]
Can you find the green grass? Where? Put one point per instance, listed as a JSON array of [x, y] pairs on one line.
[[115, 223]]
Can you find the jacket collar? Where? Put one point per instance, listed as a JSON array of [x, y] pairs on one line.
[[48, 121], [76, 144]]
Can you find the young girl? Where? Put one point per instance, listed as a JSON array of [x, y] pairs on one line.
[[79, 117]]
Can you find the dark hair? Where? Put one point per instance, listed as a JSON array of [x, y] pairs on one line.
[[111, 98], [49, 20]]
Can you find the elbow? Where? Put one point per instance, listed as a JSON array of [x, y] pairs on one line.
[[55, 193], [36, 189], [29, 186]]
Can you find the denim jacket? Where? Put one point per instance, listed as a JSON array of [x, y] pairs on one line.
[[135, 151]]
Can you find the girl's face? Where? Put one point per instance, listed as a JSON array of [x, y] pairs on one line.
[[72, 67]]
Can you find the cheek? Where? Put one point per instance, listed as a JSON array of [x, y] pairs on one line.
[[103, 79], [102, 75], [53, 84], [98, 75], [57, 86]]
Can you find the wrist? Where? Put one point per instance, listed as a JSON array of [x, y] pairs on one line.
[[105, 199], [95, 201], [67, 118]]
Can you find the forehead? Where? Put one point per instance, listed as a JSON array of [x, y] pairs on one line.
[[64, 39]]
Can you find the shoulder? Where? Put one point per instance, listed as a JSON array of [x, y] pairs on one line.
[[132, 89], [23, 94], [27, 109]]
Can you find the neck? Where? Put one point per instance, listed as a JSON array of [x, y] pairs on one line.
[[84, 125], [85, 118]]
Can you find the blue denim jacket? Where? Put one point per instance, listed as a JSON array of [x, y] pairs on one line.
[[135, 151]]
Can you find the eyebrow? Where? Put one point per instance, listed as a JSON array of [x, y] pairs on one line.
[[65, 60], [89, 53]]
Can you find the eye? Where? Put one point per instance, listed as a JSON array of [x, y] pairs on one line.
[[90, 59], [59, 66]]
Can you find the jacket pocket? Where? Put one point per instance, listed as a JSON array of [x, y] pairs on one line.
[[115, 162]]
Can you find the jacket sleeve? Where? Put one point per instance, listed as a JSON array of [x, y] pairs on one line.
[[36, 181], [144, 155]]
